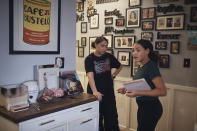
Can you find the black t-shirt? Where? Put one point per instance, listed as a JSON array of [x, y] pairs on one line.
[[101, 68]]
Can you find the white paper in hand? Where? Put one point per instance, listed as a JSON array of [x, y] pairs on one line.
[[139, 85]]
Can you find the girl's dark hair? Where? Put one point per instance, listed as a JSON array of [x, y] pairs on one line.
[[99, 40], [146, 44]]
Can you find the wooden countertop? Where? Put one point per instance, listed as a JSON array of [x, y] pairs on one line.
[[59, 104]]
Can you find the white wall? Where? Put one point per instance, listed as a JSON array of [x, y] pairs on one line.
[[19, 68]]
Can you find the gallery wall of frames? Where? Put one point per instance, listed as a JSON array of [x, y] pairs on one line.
[[171, 26]]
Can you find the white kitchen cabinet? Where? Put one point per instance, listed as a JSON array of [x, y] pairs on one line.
[[78, 118]]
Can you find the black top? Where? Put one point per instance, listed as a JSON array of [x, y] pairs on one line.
[[149, 71], [101, 68]]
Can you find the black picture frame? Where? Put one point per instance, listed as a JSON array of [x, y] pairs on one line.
[[84, 27], [80, 6], [193, 14], [24, 39], [170, 22], [164, 61], [94, 21], [161, 45], [133, 3], [124, 57], [147, 36], [120, 22], [148, 13], [148, 25], [174, 47], [83, 41], [109, 21], [124, 42], [133, 17], [80, 51], [91, 40]]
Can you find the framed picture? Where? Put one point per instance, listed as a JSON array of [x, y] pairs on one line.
[[109, 21], [34, 37], [94, 22], [193, 14], [161, 45], [80, 6], [120, 22], [174, 47], [59, 61], [110, 40], [124, 42], [164, 60], [134, 3], [147, 25], [83, 41], [148, 13], [170, 22], [163, 1], [192, 40], [91, 40], [83, 27], [80, 51], [147, 36], [124, 57], [133, 17]]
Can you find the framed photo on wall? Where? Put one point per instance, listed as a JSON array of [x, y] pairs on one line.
[[91, 41], [193, 14], [134, 3], [124, 57], [147, 36], [147, 25], [124, 42], [109, 21], [31, 36], [192, 39], [83, 41], [133, 17], [110, 40], [174, 47], [80, 51], [170, 22], [161, 45], [120, 22], [164, 61], [83, 27], [80, 6], [94, 21], [148, 13]]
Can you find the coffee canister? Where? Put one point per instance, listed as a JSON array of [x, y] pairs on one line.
[[36, 20]]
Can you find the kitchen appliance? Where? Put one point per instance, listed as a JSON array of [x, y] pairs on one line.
[[13, 95], [33, 90]]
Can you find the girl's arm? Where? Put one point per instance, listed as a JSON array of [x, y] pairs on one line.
[[160, 89], [93, 86], [116, 72]]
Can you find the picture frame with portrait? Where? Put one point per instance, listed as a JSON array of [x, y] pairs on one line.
[[124, 42], [161, 45], [133, 17], [80, 51], [91, 41], [83, 41], [174, 47], [84, 27], [170, 22], [193, 14], [124, 57], [59, 61], [147, 25], [164, 61], [80, 6], [148, 13], [109, 21], [120, 22], [134, 3], [94, 21], [147, 36], [110, 40]]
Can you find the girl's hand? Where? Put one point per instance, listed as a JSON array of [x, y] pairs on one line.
[[131, 93], [122, 90], [98, 95]]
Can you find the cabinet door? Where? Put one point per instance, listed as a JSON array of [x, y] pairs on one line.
[[85, 123]]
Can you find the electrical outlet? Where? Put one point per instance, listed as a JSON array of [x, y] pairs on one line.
[[186, 62]]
